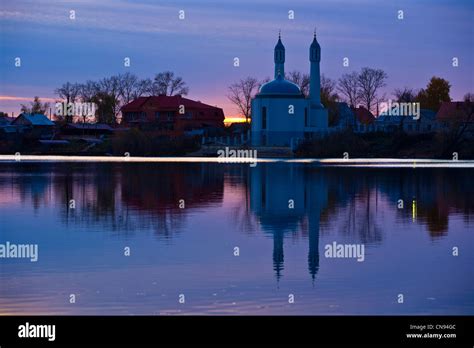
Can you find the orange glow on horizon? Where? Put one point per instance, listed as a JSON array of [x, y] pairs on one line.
[[234, 119], [14, 98]]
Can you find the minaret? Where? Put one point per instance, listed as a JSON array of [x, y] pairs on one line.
[[279, 58], [315, 75]]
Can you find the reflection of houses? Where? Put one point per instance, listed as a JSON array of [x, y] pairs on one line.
[[171, 115], [147, 197], [156, 189], [273, 190]]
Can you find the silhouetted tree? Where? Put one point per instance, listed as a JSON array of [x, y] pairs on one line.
[[301, 79], [405, 95], [88, 90], [106, 106], [436, 92], [349, 88], [167, 84], [369, 82], [109, 93], [468, 97], [241, 94], [329, 98], [36, 107], [69, 92], [328, 91]]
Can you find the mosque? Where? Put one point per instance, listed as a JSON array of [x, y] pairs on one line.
[[281, 114]]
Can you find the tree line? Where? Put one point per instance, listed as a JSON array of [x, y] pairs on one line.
[[356, 88], [111, 93]]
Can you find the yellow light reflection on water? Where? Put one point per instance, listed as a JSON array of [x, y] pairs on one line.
[[413, 210]]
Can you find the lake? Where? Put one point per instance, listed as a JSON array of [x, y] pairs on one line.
[[231, 239]]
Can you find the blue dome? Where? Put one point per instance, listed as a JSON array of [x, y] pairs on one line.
[[280, 86]]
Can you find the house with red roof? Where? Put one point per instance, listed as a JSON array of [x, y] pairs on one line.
[[171, 115], [364, 120], [359, 119], [457, 114]]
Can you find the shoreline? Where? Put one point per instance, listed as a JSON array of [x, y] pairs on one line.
[[333, 162]]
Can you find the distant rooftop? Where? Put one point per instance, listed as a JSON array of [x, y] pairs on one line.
[[453, 110], [166, 102], [35, 119]]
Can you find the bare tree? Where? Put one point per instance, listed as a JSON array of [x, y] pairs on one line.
[[88, 90], [166, 83], [328, 90], [379, 100], [87, 93], [348, 86], [369, 82], [262, 82], [143, 88], [405, 94], [469, 97], [301, 79], [241, 94], [127, 85], [111, 86], [68, 91]]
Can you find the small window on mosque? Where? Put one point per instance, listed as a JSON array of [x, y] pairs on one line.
[[264, 118]]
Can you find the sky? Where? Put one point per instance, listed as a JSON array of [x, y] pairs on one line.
[[201, 47]]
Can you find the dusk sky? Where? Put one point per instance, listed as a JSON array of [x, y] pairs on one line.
[[55, 49]]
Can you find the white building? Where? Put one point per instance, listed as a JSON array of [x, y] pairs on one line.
[[281, 114]]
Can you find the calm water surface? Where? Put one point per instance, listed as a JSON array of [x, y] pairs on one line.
[[190, 251]]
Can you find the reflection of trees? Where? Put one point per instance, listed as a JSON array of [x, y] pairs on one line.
[[127, 197], [437, 222], [355, 199], [361, 219], [150, 195], [118, 197], [435, 194], [240, 215]]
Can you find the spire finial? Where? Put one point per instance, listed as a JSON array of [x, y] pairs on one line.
[[279, 34], [315, 32]]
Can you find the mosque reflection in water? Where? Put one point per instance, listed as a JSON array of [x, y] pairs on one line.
[[282, 200], [286, 199]]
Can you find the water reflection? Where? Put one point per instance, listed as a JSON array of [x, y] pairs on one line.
[[282, 201], [289, 200]]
